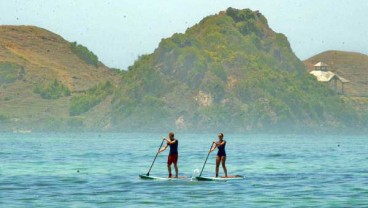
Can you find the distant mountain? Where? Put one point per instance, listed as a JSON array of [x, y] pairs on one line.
[[41, 74], [230, 72], [350, 65]]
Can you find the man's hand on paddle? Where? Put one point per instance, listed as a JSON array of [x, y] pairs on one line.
[[164, 148]]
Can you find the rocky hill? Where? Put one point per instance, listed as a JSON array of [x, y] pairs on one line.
[[40, 75], [228, 72]]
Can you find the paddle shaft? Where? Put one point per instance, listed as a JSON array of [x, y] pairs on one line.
[[155, 158], [206, 159]]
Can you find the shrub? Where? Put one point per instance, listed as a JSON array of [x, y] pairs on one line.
[[92, 97], [83, 53], [8, 72], [53, 90]]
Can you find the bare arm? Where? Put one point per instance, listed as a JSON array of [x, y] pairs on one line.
[[214, 145], [169, 141], [163, 149]]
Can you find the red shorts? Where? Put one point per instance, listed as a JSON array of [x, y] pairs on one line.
[[172, 159]]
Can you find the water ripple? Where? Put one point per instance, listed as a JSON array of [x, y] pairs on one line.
[[101, 170]]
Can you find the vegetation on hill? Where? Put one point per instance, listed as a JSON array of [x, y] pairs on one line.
[[82, 52], [82, 103], [230, 71], [10, 72], [53, 90]]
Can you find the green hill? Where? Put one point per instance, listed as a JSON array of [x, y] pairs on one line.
[[228, 72]]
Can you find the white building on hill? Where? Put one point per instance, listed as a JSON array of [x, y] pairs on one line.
[[333, 80]]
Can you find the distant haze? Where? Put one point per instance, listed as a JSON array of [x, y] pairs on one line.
[[119, 31]]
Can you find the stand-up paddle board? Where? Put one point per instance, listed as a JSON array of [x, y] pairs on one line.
[[146, 177], [228, 178]]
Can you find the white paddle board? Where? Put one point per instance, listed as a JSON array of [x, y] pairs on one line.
[[228, 178], [146, 177]]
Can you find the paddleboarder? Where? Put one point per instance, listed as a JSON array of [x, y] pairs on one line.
[[221, 154], [173, 154]]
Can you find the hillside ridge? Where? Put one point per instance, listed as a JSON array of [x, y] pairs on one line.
[[33, 57]]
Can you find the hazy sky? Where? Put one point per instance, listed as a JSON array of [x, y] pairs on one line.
[[118, 31]]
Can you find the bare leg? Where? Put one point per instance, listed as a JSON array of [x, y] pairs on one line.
[[176, 170], [169, 169], [218, 159], [223, 160]]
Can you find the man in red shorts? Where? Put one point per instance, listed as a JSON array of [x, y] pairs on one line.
[[173, 155]]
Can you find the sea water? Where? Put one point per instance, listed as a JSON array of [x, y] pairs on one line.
[[101, 170]]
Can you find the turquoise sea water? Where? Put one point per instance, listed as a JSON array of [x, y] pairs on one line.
[[101, 170]]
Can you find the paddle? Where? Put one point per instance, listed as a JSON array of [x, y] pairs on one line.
[[206, 159], [155, 157]]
